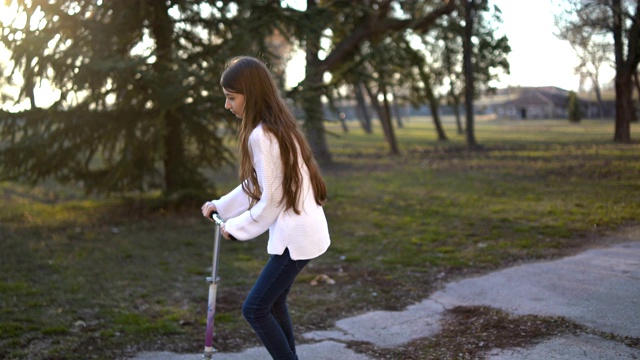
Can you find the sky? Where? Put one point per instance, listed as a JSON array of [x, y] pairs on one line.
[[537, 57]]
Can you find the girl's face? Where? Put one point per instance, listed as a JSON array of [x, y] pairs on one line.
[[234, 102]]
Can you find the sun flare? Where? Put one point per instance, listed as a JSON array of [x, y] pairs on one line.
[[9, 14]]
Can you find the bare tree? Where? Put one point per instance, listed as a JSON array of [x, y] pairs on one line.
[[620, 19], [363, 20], [365, 119], [469, 9], [470, 57], [592, 51], [384, 115]]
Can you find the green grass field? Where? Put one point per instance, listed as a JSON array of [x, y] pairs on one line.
[[104, 278]]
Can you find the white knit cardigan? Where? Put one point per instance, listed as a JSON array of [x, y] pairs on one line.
[[305, 235]]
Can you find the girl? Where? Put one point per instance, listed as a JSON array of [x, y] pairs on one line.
[[281, 190]]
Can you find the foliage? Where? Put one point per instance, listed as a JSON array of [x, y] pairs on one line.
[[410, 65], [349, 28], [490, 53], [574, 108], [139, 107]]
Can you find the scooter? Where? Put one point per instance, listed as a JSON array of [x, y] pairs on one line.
[[213, 288]]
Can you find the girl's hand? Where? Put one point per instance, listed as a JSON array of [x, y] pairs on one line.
[[207, 209], [224, 232]]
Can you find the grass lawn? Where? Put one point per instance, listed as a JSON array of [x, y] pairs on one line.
[[87, 278]]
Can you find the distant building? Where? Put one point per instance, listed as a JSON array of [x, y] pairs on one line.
[[516, 103], [543, 103]]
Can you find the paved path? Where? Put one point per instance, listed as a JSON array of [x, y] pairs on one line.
[[598, 288]]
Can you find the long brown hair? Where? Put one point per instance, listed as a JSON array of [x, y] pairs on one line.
[[263, 104]]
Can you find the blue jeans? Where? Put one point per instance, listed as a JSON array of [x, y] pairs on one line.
[[265, 308]]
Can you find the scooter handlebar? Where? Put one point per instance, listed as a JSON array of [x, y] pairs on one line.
[[218, 220]]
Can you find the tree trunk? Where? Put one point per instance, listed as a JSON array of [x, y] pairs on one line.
[[624, 106], [313, 125], [385, 121], [596, 88], [469, 6], [312, 94], [636, 82], [365, 118], [455, 103], [343, 121], [623, 77], [435, 110], [175, 173], [397, 112], [388, 124], [433, 104]]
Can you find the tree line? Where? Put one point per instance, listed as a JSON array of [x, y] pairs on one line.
[[140, 107]]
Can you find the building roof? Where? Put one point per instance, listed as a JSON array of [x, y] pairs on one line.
[[540, 97]]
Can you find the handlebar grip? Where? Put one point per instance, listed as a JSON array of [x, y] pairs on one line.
[[218, 220]]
